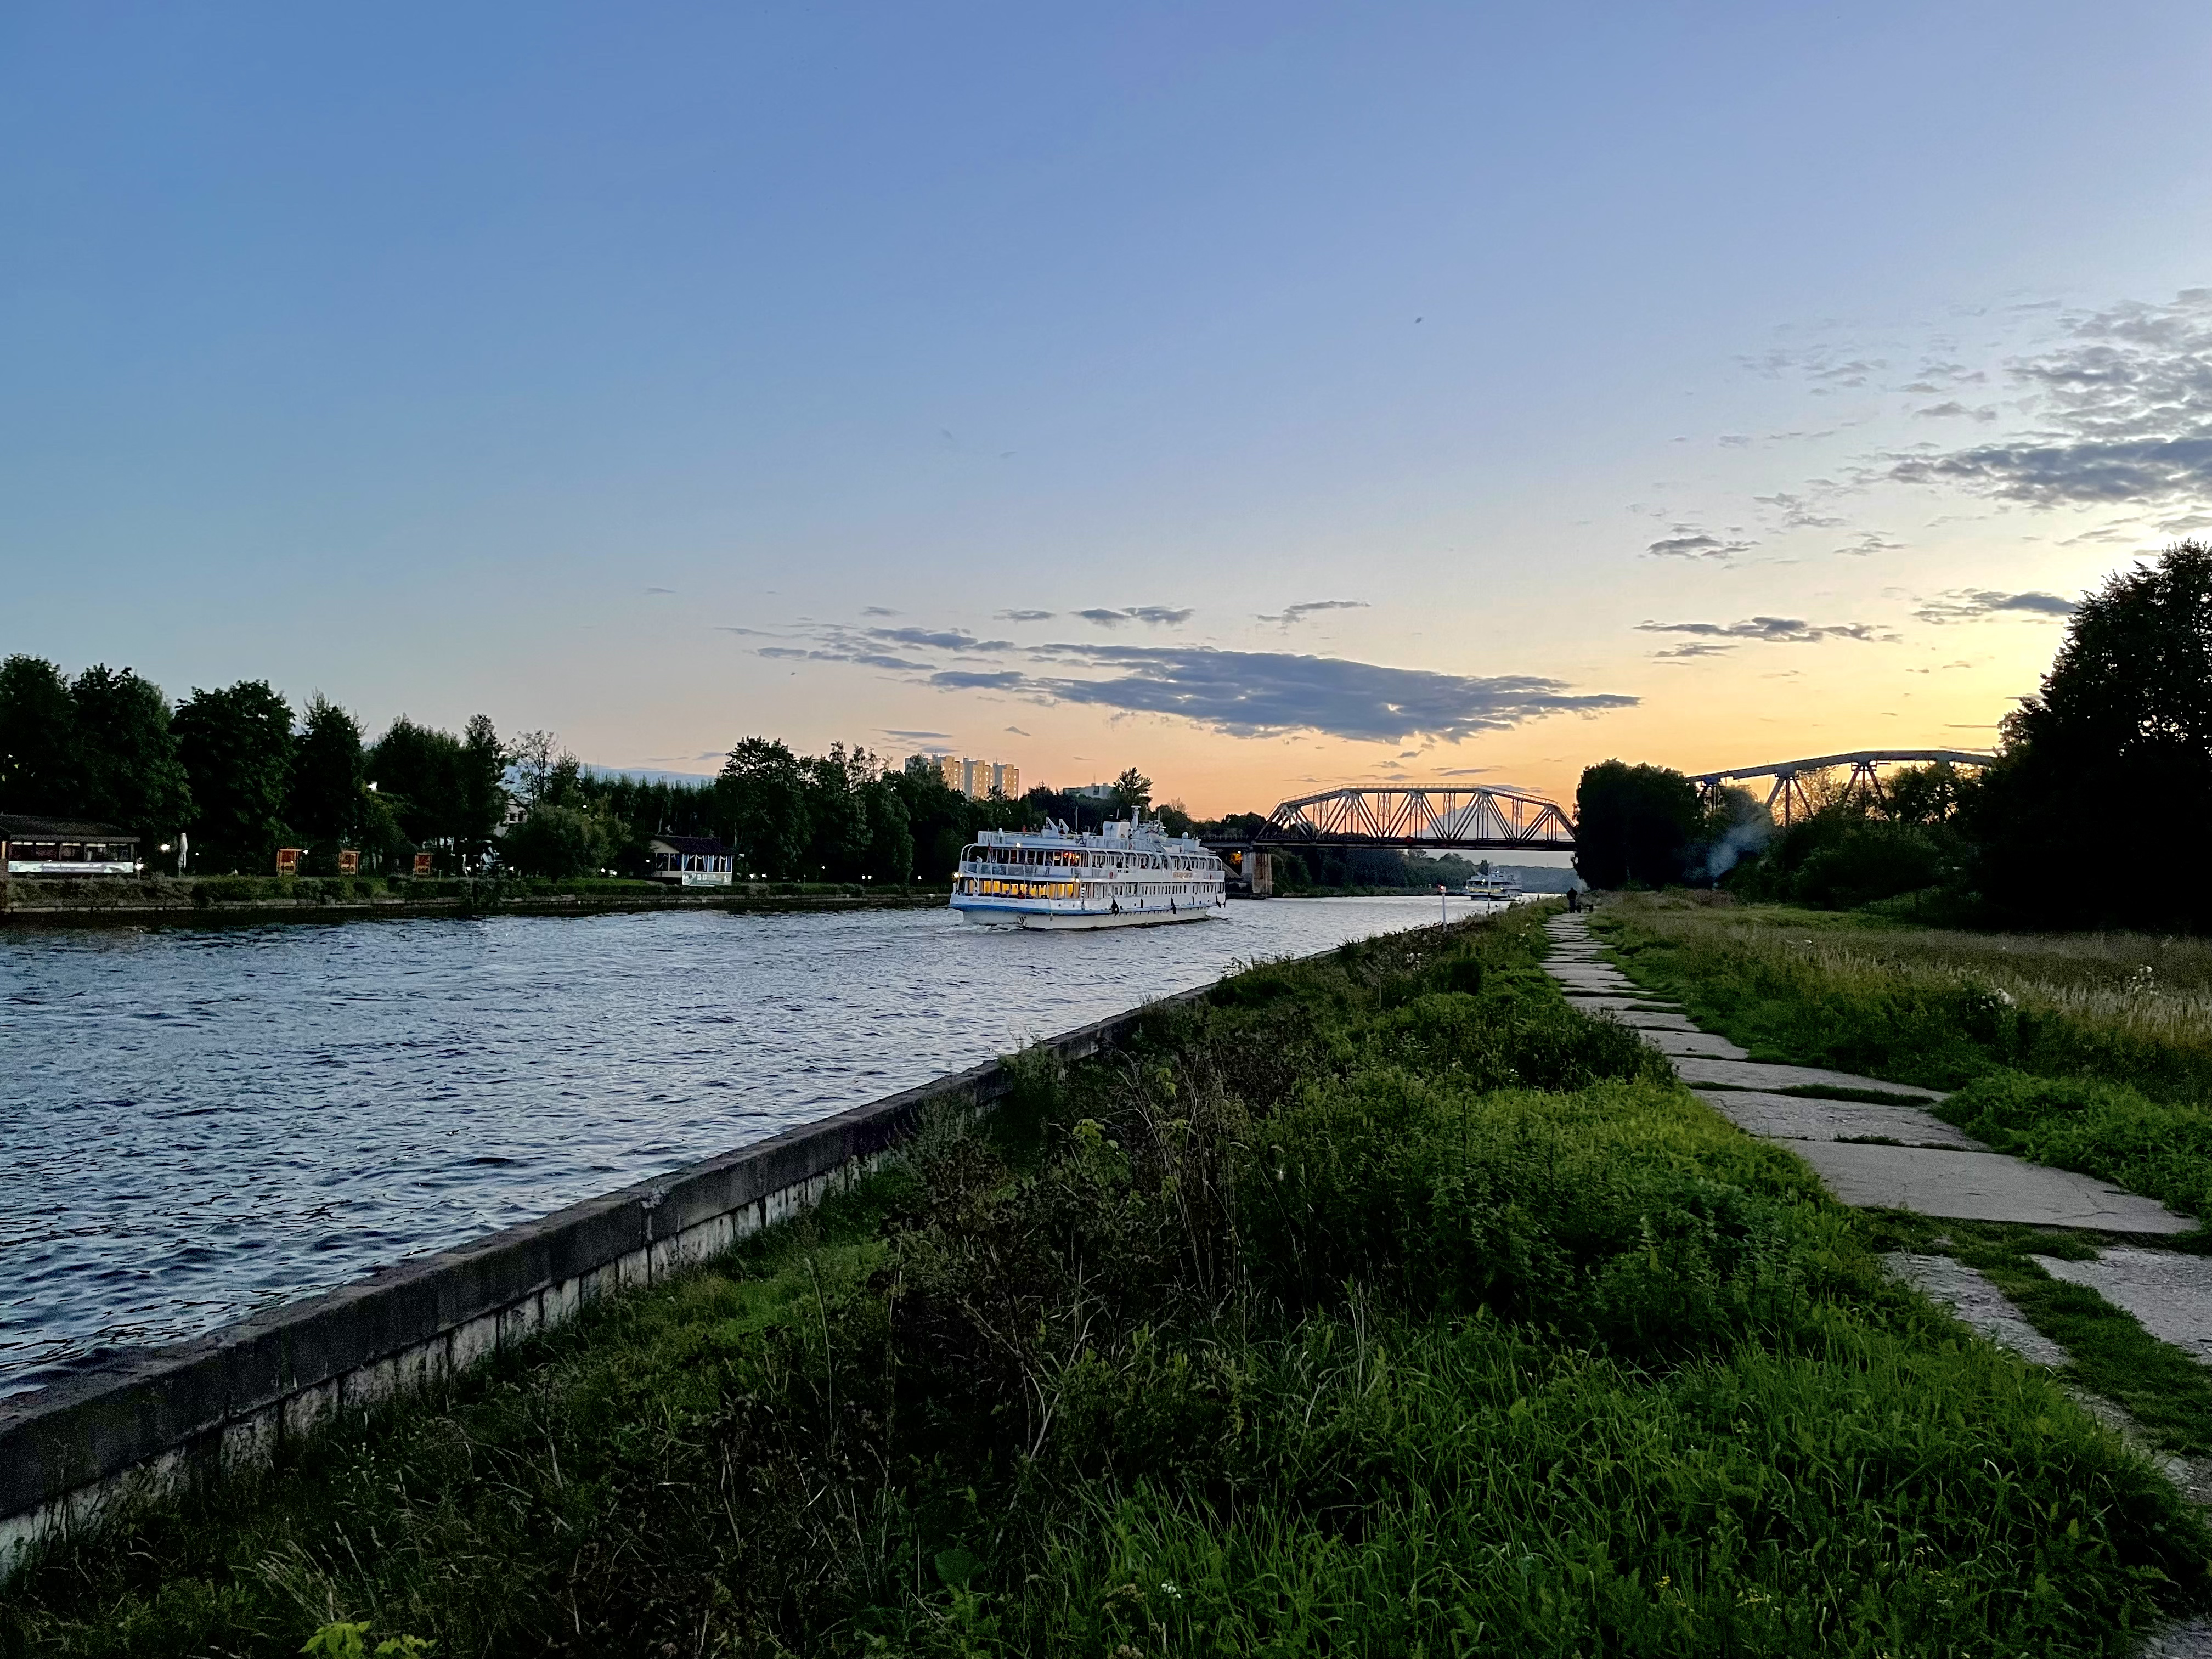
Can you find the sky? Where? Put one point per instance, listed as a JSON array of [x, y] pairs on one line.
[[1271, 396]]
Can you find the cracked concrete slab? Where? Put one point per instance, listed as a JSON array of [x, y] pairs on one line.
[[1976, 1303], [1791, 1117], [2190, 1640], [1644, 1019], [1626, 1005], [1679, 1045], [1981, 1187], [1755, 1074], [2169, 1294]]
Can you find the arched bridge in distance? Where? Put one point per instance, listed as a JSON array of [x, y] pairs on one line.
[[1788, 799], [1494, 818]]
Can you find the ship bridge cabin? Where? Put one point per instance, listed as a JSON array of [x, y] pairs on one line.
[[690, 861], [64, 847]]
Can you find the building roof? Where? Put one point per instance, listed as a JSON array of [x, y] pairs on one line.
[[16, 826], [694, 846]]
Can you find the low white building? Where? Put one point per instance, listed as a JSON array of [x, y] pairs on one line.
[[690, 862], [65, 846]]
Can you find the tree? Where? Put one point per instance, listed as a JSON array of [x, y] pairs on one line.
[[236, 745], [419, 773], [1634, 823], [38, 772], [128, 771], [1132, 791], [480, 795], [534, 756], [837, 811], [559, 842], [761, 792], [330, 776], [890, 832], [2122, 726]]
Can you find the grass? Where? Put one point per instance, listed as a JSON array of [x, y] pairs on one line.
[[1929, 1005], [1378, 1305], [2089, 1052]]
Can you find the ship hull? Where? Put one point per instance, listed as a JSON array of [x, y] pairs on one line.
[[1076, 921]]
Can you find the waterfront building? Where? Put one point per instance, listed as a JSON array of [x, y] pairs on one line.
[[690, 862], [65, 846]]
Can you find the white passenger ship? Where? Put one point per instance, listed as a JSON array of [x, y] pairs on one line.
[[1493, 886], [1132, 875]]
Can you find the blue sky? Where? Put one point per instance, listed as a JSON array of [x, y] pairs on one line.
[[663, 375]]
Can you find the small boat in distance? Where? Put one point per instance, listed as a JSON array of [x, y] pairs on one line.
[[1492, 886], [1131, 874]]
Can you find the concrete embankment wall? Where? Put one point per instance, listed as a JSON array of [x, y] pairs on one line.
[[231, 1398]]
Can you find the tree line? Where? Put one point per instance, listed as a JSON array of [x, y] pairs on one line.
[[239, 771], [242, 773], [2093, 814]]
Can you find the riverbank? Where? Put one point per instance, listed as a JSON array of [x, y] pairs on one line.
[[1382, 1303], [66, 902]]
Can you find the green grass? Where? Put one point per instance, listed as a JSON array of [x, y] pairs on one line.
[[1928, 1006], [1379, 1305], [2087, 1053]]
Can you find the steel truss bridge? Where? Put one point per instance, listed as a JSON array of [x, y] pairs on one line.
[[1492, 819], [1788, 799], [1497, 819]]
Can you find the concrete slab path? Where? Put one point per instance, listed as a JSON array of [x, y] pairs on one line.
[[1758, 1074], [2169, 1294], [1975, 1301], [1791, 1117], [1981, 1187], [1693, 1044]]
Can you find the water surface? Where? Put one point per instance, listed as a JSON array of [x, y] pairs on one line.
[[195, 1124]]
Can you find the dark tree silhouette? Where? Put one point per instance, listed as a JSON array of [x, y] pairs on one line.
[[1634, 823], [2115, 751]]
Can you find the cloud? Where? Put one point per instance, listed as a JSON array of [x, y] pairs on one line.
[[661, 590], [1242, 693], [1870, 542], [1687, 541], [2126, 408], [1797, 513], [1775, 631], [1953, 407], [1735, 441], [1964, 604], [1023, 616], [1017, 730], [1291, 615], [917, 737], [1152, 616], [1699, 649], [866, 659], [1264, 693], [878, 611], [943, 638]]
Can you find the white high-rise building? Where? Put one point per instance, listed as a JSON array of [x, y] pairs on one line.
[[977, 778]]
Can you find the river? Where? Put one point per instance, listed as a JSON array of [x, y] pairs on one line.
[[195, 1123]]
